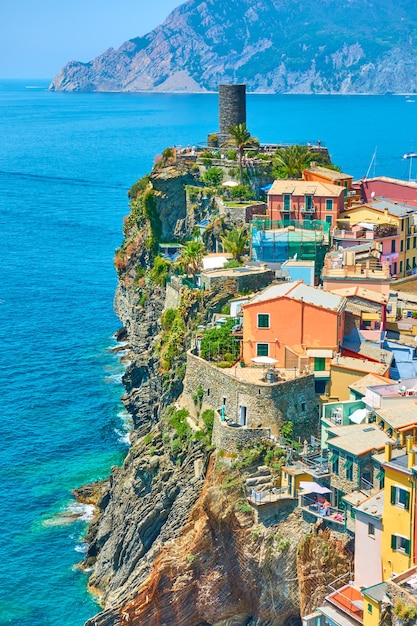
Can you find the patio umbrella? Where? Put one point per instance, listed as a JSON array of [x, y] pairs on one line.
[[264, 360], [230, 183], [312, 487]]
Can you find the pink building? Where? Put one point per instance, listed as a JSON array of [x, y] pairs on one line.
[[368, 541], [302, 200], [382, 186]]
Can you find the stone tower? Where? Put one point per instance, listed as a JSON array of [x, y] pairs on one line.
[[232, 107]]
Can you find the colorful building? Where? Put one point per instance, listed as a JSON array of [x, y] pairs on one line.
[[398, 540], [303, 199], [299, 326]]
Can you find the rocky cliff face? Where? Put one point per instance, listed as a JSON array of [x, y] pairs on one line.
[[274, 46], [174, 541]]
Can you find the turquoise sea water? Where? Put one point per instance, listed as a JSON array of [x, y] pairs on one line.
[[66, 162]]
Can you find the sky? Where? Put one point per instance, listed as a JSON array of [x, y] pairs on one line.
[[37, 38]]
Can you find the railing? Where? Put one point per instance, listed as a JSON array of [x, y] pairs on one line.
[[269, 496], [316, 508]]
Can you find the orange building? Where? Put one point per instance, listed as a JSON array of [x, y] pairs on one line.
[[298, 325]]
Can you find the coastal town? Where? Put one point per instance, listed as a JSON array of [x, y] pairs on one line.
[[316, 354]]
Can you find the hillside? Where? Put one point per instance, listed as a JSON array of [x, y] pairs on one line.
[[274, 46]]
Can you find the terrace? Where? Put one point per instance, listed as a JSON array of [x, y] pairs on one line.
[[349, 600]]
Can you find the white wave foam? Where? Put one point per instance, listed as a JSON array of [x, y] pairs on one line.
[[114, 379], [84, 512], [81, 547], [123, 437]]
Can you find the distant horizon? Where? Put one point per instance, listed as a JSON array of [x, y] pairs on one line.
[[39, 39]]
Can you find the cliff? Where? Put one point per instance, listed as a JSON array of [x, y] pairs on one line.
[[174, 541], [271, 45]]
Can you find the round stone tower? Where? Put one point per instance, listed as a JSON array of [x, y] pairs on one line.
[[232, 107]]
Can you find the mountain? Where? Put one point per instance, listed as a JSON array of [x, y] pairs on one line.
[[274, 46]]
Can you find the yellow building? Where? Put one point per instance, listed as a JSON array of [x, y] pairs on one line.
[[399, 510], [389, 213], [372, 601]]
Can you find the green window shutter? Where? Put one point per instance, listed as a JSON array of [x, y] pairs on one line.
[[393, 542], [407, 546], [334, 457], [393, 491], [380, 475], [348, 464], [407, 500]]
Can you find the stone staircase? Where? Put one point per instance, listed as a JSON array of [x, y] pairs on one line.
[[259, 478]]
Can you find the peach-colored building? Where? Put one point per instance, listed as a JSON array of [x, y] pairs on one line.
[[357, 266], [302, 200], [298, 325]]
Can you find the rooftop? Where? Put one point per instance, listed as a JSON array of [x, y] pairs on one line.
[[299, 291], [374, 505], [357, 439], [399, 416], [362, 294], [376, 592], [370, 380], [360, 365], [305, 187], [235, 271], [332, 174]]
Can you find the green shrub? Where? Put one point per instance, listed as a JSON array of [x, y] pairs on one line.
[[159, 272], [208, 420], [147, 439], [213, 176], [180, 424]]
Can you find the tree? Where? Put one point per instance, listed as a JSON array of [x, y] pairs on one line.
[[235, 242], [213, 176], [190, 259], [242, 139], [290, 162]]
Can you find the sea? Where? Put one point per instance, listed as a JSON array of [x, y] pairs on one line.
[[67, 161]]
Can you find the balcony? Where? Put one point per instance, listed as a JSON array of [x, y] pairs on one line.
[[331, 514], [349, 600]]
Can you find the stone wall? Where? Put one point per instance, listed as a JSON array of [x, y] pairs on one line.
[[234, 281], [243, 214], [232, 438], [267, 405]]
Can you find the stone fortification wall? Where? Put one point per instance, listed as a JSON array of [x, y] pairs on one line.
[[266, 405], [232, 438]]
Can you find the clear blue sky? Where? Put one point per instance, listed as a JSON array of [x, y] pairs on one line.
[[38, 37]]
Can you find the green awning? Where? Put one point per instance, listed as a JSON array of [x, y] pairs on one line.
[[348, 464]]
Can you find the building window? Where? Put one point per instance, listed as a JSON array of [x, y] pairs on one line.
[[408, 244], [414, 242], [334, 460], [263, 320], [349, 468], [329, 219], [308, 203], [369, 608], [394, 268], [319, 364], [401, 266], [329, 205], [400, 544], [393, 242], [287, 201], [402, 246], [262, 349], [303, 406], [371, 530], [400, 497]]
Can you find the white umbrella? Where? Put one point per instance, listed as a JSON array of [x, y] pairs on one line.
[[312, 487], [230, 183], [264, 360]]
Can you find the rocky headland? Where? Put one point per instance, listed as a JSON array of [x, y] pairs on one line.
[[295, 47], [174, 540]]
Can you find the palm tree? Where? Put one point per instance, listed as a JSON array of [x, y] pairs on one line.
[[190, 259], [290, 162], [235, 242], [241, 138]]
